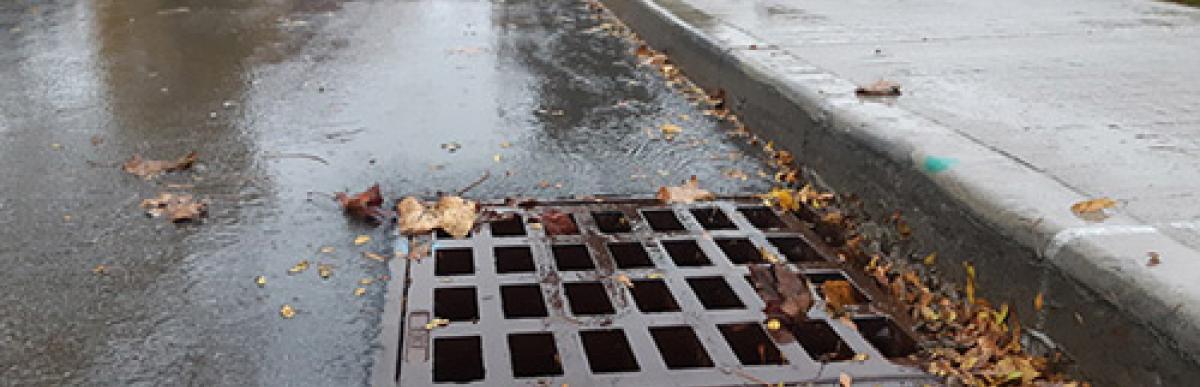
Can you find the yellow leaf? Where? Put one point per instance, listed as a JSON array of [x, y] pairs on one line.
[[931, 259], [970, 282], [374, 256], [774, 324], [324, 270], [287, 311], [361, 240], [359, 292], [861, 357], [496, 157], [261, 281], [654, 275], [505, 144], [670, 130], [784, 198], [299, 267], [1038, 302], [365, 281], [1093, 209], [327, 249]]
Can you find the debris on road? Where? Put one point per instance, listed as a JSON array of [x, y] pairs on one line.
[[452, 214], [298, 267], [178, 208], [556, 222], [148, 169], [287, 311], [363, 205], [880, 88], [689, 192], [1155, 259], [1093, 210]]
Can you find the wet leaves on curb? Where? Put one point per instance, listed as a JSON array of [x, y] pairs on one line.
[[147, 169], [178, 208], [689, 192]]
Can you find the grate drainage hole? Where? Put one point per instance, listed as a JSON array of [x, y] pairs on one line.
[[795, 249], [713, 219], [608, 351], [514, 259], [686, 253], [534, 354], [453, 262], [741, 251], [663, 220], [630, 255], [886, 336], [714, 293], [573, 257], [522, 301], [762, 218], [653, 296], [821, 342], [588, 298], [457, 359], [680, 348], [612, 221], [751, 344], [514, 226], [455, 304]]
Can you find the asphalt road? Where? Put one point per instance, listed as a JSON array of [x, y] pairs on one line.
[[287, 102]]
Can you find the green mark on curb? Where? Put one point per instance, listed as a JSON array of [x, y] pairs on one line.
[[935, 164]]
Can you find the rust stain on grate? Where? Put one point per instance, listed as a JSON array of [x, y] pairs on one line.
[[643, 294]]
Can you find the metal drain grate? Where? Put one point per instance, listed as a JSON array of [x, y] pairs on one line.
[[525, 308]]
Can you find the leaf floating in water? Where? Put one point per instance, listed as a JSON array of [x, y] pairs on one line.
[[299, 267], [147, 169], [176, 207], [287, 311], [363, 205], [689, 192]]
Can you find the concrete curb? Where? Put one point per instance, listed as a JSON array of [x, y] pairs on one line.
[[1124, 323]]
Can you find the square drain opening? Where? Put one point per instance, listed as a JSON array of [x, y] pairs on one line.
[[514, 259], [572, 257], [686, 253], [457, 359], [714, 293], [713, 219], [514, 226], [453, 262], [608, 351], [612, 221], [762, 217], [630, 255], [442, 234], [821, 342], [680, 348], [751, 344], [820, 280], [795, 249], [653, 296], [741, 251], [534, 354], [455, 304], [663, 220], [588, 298], [522, 301], [886, 336]]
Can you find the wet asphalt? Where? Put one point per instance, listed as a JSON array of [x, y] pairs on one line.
[[288, 102]]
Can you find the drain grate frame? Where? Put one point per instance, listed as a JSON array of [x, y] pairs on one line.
[[407, 354]]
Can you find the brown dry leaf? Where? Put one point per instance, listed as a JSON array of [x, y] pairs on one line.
[[689, 192], [363, 205], [414, 218], [838, 294], [146, 169], [176, 207], [880, 88], [452, 214], [1038, 302], [1093, 210], [556, 222], [844, 380], [1155, 259]]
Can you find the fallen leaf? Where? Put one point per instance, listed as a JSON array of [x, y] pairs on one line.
[[1155, 259], [146, 169], [365, 281], [970, 288], [176, 207], [377, 257], [287, 311], [298, 267], [880, 88], [324, 270], [556, 222], [930, 259], [838, 294], [774, 324], [363, 205], [361, 240], [261, 281], [359, 292], [860, 357], [624, 280], [496, 157], [1093, 210], [100, 269], [844, 380], [453, 214], [670, 130], [689, 192], [436, 323], [327, 249], [505, 144]]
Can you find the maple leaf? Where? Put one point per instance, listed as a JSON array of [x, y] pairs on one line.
[[147, 169], [689, 192], [363, 205]]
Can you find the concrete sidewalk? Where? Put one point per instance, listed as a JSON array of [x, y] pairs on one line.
[[1012, 111]]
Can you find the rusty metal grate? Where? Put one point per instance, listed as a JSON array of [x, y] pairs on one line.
[[525, 308]]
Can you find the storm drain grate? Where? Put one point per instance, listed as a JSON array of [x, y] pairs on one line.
[[645, 294]]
